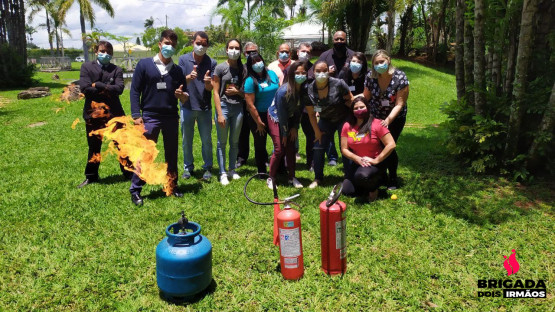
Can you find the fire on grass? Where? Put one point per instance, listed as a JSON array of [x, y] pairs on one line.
[[135, 152]]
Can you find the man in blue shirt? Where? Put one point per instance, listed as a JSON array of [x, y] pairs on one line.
[[157, 85], [198, 69]]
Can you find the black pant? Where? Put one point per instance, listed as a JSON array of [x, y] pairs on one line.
[[95, 146], [260, 151], [360, 181], [395, 128], [244, 138], [309, 134]]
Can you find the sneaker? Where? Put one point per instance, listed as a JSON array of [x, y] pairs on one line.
[[223, 179], [207, 175], [313, 185], [234, 175], [373, 196], [186, 174], [298, 157], [311, 169], [270, 183], [332, 163], [295, 183], [392, 184]]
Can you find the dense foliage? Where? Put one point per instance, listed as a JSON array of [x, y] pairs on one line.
[[13, 70]]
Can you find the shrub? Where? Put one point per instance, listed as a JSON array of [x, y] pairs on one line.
[[14, 72]]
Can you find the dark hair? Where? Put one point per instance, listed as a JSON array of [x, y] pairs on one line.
[[255, 58], [319, 62], [290, 79], [105, 44], [366, 126], [201, 34], [239, 63], [168, 34], [363, 71]]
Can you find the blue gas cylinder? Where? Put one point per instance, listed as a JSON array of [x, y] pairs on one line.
[[183, 261]]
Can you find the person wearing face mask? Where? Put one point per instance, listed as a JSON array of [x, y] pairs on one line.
[[387, 89], [284, 116], [331, 99], [367, 144], [244, 136], [198, 68], [355, 74], [337, 57], [100, 81], [260, 88], [156, 86], [280, 65], [228, 101]]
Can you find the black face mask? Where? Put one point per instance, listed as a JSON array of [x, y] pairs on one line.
[[340, 47]]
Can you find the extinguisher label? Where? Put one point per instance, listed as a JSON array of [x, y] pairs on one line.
[[288, 224], [290, 242], [291, 263], [341, 237]]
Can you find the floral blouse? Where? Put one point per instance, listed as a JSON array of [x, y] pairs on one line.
[[382, 103]]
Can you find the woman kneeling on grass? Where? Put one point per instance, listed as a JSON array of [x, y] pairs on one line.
[[362, 137], [284, 117]]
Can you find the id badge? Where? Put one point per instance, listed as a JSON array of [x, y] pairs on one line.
[[318, 109], [361, 135], [385, 103], [264, 85], [352, 88], [161, 85]]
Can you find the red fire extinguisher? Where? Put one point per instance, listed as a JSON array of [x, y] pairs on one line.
[[286, 233], [333, 234]]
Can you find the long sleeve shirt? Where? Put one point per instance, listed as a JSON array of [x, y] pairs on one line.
[[108, 81]]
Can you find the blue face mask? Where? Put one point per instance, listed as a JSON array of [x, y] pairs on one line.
[[300, 79], [167, 51], [283, 56], [382, 68], [258, 67], [355, 67], [104, 58]]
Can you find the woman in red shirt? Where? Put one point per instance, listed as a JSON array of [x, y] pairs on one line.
[[367, 143]]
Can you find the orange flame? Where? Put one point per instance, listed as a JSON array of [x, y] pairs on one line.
[[75, 122], [136, 153], [99, 110], [96, 158]]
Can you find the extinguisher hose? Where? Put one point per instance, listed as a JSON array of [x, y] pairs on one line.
[[253, 201]]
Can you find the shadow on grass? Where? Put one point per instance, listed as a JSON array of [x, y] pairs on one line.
[[446, 69], [190, 300], [439, 183], [113, 179], [186, 189]]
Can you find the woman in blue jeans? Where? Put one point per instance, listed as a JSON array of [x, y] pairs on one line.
[[331, 99], [228, 100]]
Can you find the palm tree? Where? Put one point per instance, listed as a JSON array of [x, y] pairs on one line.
[[291, 5], [37, 6], [86, 13], [232, 17], [149, 23]]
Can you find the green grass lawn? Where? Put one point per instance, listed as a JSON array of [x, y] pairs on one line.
[[63, 248]]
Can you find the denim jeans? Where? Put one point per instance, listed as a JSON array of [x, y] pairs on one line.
[[204, 122], [233, 114], [328, 129]]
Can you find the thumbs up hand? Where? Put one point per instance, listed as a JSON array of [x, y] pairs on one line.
[[181, 95], [193, 75], [207, 77]]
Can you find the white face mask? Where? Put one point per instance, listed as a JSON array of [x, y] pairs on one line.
[[321, 77], [233, 54], [303, 56], [200, 50]]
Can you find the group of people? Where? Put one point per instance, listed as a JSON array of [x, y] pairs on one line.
[[338, 93]]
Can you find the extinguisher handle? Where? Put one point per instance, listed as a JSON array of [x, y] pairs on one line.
[[334, 195]]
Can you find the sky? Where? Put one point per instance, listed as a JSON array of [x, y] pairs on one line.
[[129, 18]]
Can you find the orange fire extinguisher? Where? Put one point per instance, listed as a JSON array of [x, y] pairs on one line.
[[333, 233], [287, 233]]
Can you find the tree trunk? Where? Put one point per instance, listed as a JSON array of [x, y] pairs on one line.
[[469, 58], [511, 55], [524, 55], [543, 137], [440, 22], [479, 59], [49, 31], [57, 41], [359, 24], [406, 21], [390, 26], [83, 34], [459, 49], [3, 18], [426, 32], [13, 22]]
